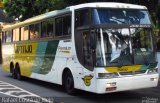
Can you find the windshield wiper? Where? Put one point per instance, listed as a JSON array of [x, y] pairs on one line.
[[115, 19]]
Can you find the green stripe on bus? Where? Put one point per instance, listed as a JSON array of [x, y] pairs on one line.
[[43, 63], [39, 59], [150, 66]]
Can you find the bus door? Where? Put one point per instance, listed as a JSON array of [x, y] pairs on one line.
[[87, 50]]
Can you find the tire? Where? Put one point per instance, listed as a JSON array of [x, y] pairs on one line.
[[13, 73], [18, 73], [69, 83]]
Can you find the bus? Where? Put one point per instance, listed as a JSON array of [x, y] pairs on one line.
[[99, 47]]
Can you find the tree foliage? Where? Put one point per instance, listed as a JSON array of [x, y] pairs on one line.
[[23, 9]]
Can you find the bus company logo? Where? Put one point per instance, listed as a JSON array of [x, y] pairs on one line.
[[64, 49], [23, 49], [149, 100], [87, 80]]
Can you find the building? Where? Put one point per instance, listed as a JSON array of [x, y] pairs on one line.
[[4, 20]]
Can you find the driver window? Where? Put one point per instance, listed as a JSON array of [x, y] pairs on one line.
[[82, 18]]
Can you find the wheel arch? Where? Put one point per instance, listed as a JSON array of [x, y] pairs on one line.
[[17, 64], [64, 72]]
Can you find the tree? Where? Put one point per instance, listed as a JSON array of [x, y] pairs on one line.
[[158, 14], [1, 4], [23, 9]]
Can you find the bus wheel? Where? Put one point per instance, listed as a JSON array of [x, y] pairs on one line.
[[13, 73], [12, 70], [69, 83], [18, 73]]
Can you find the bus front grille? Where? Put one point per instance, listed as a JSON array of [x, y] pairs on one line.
[[133, 72]]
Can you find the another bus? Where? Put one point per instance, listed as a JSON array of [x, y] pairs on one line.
[[96, 47]]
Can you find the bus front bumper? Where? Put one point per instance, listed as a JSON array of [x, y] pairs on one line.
[[126, 83]]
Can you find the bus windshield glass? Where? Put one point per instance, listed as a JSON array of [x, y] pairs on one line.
[[125, 46], [120, 16]]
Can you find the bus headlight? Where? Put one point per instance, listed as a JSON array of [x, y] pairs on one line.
[[155, 70], [108, 75]]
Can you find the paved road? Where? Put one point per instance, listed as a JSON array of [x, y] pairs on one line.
[[33, 89]]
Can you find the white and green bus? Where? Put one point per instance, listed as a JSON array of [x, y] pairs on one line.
[[96, 47]]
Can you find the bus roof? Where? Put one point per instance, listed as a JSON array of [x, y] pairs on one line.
[[37, 18], [108, 5], [67, 9]]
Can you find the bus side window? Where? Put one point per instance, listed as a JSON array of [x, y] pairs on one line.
[[16, 34], [50, 27], [34, 30], [44, 29], [24, 33], [8, 36], [63, 25], [3, 37], [58, 24], [67, 25], [47, 28]]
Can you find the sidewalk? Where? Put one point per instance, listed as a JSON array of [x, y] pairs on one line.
[[158, 57]]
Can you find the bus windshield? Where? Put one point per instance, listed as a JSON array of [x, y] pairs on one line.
[[125, 46], [120, 16]]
